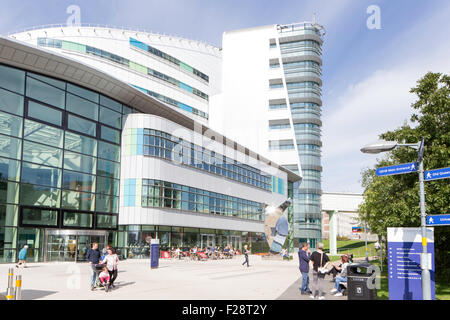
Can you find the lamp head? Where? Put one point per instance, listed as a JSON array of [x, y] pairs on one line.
[[379, 146]]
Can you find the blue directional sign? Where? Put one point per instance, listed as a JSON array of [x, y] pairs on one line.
[[398, 169], [438, 220], [437, 174]]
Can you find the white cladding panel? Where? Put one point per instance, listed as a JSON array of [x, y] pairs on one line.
[[146, 167]]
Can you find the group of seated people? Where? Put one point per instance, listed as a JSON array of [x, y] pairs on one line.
[[339, 272], [211, 252]]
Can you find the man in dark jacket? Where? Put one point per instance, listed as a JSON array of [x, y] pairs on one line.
[[93, 257], [303, 257]]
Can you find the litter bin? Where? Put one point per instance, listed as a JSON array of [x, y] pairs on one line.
[[359, 284]]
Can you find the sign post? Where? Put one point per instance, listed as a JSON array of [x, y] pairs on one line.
[[438, 220], [398, 169], [154, 253], [436, 174], [405, 263]]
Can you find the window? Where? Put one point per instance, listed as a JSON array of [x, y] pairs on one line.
[[9, 169], [42, 154], [39, 132], [45, 92], [110, 103], [43, 113], [106, 221], [9, 192], [78, 162], [11, 102], [12, 79], [104, 203], [10, 147], [77, 219], [84, 93], [111, 118], [10, 125], [78, 200], [82, 125], [39, 217], [78, 181], [80, 144], [82, 107], [41, 175], [110, 134], [107, 186], [108, 168], [108, 151]]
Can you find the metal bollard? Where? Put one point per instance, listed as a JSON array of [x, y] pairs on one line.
[[10, 289], [18, 291]]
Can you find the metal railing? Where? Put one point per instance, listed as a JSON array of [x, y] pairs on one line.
[[106, 26]]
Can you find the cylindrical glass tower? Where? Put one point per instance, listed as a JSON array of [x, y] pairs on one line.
[[301, 52]]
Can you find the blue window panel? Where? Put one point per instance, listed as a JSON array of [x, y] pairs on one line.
[[280, 186], [186, 87], [185, 107], [138, 44], [140, 141], [139, 88]]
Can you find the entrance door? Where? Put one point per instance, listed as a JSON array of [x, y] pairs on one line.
[[72, 245], [208, 240], [61, 247], [235, 242]]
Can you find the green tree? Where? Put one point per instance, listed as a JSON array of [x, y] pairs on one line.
[[393, 201]]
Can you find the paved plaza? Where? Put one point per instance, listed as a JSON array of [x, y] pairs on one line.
[[174, 279]]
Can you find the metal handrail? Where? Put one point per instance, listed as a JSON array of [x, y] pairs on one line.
[[105, 26]]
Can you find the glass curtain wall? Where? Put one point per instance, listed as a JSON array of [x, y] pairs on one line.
[[133, 240], [305, 104], [59, 159]]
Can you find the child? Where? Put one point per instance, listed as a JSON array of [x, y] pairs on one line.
[[104, 278]]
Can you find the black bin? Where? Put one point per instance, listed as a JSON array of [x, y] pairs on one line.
[[358, 275]]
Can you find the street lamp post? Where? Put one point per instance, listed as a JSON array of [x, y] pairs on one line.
[[383, 146]]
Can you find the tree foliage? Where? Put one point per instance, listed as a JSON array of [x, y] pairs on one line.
[[393, 201]]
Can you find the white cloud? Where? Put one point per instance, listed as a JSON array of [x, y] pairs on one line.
[[366, 109]]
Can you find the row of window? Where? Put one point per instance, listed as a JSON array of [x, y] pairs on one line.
[[279, 126], [164, 145], [138, 44], [157, 193], [120, 60], [281, 145], [50, 218], [174, 102]]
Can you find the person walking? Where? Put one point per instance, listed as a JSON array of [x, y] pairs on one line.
[[304, 256], [112, 261], [246, 252], [320, 260], [93, 257], [23, 257]]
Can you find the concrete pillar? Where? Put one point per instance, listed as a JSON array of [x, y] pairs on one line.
[[333, 231]]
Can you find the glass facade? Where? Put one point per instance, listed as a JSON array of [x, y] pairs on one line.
[[134, 240], [59, 159], [156, 193], [303, 100], [89, 50], [164, 145]]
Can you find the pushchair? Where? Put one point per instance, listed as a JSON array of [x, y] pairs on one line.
[[98, 283]]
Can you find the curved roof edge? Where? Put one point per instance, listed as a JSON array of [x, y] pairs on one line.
[[46, 62], [123, 28]]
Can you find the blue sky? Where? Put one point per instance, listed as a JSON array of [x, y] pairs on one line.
[[367, 74]]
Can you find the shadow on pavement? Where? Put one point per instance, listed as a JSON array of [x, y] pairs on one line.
[[36, 294], [123, 284]]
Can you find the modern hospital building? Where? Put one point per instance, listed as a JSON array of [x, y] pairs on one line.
[[119, 136]]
